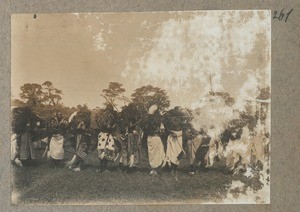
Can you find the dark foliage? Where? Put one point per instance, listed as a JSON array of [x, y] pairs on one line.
[[150, 95], [133, 114], [23, 118], [81, 121], [177, 119], [107, 119]]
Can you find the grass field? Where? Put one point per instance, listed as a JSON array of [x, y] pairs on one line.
[[40, 184]]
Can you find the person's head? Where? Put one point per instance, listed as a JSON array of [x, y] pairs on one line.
[[59, 115], [190, 133]]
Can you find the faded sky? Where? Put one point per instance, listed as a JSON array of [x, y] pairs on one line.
[[177, 51]]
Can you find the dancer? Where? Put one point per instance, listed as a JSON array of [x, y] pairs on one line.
[[156, 151], [106, 150], [193, 143], [56, 139], [134, 141]]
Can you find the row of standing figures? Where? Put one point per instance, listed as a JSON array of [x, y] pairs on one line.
[[164, 147]]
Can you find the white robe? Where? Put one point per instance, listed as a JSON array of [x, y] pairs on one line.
[[13, 153], [156, 151], [56, 147], [174, 147]]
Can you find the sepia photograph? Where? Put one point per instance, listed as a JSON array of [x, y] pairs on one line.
[[141, 108]]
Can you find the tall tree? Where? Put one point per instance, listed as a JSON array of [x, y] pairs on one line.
[[51, 95], [149, 96], [114, 93], [32, 93]]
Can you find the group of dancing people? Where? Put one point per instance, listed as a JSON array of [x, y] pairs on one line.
[[165, 142]]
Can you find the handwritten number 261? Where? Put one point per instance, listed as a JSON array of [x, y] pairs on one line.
[[282, 15]]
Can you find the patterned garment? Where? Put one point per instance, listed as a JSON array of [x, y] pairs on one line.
[[106, 147], [81, 146]]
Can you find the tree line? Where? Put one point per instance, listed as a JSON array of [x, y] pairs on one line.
[[45, 99]]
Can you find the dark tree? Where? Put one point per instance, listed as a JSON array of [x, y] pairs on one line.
[[51, 95], [32, 93], [114, 93], [149, 95]]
